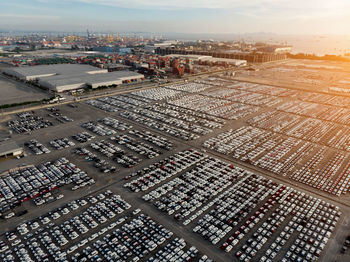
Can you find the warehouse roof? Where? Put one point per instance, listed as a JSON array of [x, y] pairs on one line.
[[99, 78], [65, 77], [61, 80], [123, 74], [59, 69], [117, 66], [227, 60], [194, 57], [8, 148]]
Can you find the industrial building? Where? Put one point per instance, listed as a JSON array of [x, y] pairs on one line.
[[8, 149], [277, 49], [113, 78], [210, 59], [194, 58], [251, 57], [67, 77], [150, 48], [229, 61], [29, 73]]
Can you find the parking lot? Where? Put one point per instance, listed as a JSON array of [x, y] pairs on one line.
[[302, 74], [211, 170], [219, 206], [100, 227], [16, 92]]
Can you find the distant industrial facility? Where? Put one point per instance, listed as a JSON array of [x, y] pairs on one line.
[[251, 57], [210, 59], [67, 77]]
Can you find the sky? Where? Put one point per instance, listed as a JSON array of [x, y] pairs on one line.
[[180, 16]]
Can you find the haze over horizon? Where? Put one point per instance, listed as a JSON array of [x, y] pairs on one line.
[[193, 16]]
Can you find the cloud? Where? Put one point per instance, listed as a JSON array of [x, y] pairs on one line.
[[270, 10], [183, 15], [31, 17], [281, 9], [163, 4], [266, 5]]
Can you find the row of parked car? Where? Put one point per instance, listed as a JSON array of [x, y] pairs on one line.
[[158, 94], [139, 147], [28, 122], [314, 130], [164, 117], [116, 153], [332, 174], [36, 147], [239, 96], [98, 129], [213, 106], [202, 118], [297, 159], [181, 122], [163, 169], [187, 193], [116, 103], [346, 245], [321, 98], [205, 120], [131, 241], [103, 165], [311, 225], [23, 184], [175, 251], [83, 137], [152, 138], [46, 198], [93, 228], [47, 239], [115, 123], [101, 105], [192, 87], [131, 99], [229, 202], [239, 141], [61, 143], [266, 89], [331, 113], [171, 130], [195, 121], [55, 113]]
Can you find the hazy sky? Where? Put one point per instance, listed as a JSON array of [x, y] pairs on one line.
[[184, 16]]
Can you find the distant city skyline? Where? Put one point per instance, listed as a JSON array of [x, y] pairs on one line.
[[181, 16]]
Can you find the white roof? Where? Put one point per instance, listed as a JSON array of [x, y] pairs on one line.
[[59, 69], [118, 76], [8, 148], [73, 75]]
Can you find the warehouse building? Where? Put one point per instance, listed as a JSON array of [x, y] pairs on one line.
[[8, 149], [128, 76], [228, 61], [29, 73], [106, 80], [194, 58], [62, 83], [113, 78], [67, 77], [210, 60]]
